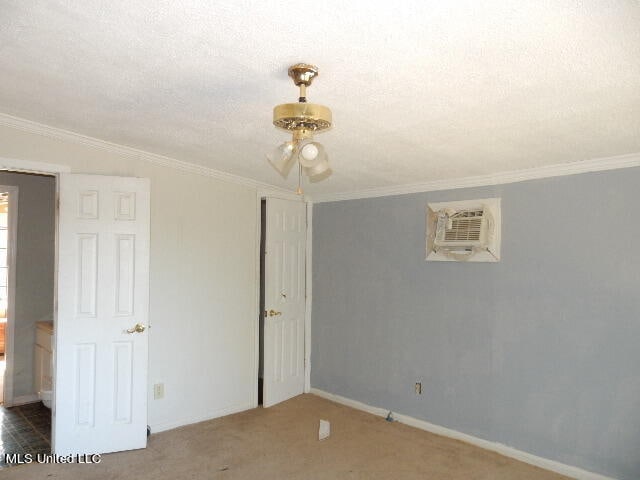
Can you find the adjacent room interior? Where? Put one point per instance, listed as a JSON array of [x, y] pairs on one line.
[[27, 264], [320, 240]]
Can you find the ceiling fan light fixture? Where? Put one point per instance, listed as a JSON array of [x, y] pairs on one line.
[[303, 120], [321, 176], [319, 168], [311, 154], [282, 158]]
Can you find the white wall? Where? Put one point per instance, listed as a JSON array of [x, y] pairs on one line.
[[34, 270], [203, 310]]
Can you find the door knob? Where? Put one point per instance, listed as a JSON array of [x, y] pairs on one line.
[[137, 328], [273, 313]]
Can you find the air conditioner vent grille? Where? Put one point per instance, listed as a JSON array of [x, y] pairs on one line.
[[464, 228]]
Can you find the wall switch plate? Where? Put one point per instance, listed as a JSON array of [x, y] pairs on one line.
[[418, 388], [158, 391]]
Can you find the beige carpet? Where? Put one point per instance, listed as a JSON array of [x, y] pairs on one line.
[[282, 443]]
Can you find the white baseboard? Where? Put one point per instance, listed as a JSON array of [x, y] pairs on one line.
[[24, 399], [164, 426], [561, 468]]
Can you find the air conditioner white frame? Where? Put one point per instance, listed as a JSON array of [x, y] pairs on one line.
[[492, 251]]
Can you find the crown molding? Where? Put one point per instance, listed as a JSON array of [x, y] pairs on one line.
[[156, 159], [548, 171]]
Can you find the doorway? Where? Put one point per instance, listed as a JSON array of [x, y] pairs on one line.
[[282, 300], [27, 279]]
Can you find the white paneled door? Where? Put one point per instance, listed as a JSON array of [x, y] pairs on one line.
[[284, 300], [100, 398]]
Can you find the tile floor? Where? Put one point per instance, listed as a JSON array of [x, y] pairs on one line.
[[24, 429]]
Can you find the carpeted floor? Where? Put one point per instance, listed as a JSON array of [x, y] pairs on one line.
[[281, 443]]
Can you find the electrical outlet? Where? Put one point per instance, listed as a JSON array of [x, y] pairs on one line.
[[418, 388], [158, 391]]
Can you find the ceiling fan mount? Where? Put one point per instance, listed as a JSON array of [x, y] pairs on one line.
[[303, 73]]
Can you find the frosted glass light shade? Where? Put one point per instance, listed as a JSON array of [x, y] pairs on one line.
[[322, 176], [319, 168], [282, 159]]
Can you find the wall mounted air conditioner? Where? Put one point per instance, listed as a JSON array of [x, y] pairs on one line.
[[467, 230]]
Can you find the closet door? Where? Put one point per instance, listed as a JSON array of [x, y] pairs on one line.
[[284, 300]]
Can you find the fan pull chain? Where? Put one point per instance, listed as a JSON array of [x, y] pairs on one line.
[[299, 189]]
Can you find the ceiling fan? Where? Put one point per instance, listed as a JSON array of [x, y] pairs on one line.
[[303, 120]]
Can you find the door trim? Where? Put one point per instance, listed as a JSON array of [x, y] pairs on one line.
[[12, 245], [263, 195], [308, 299], [29, 166]]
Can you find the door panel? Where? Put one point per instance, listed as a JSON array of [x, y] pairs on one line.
[[100, 398], [285, 298]]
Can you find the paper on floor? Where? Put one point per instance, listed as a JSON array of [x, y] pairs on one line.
[[325, 429]]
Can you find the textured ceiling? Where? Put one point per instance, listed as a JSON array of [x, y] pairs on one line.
[[420, 90]]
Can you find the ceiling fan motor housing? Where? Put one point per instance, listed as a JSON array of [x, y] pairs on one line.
[[302, 116]]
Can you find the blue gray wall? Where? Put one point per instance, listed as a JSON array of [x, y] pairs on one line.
[[540, 352]]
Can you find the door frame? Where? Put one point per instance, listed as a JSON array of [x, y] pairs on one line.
[[8, 398], [28, 166], [264, 195]]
